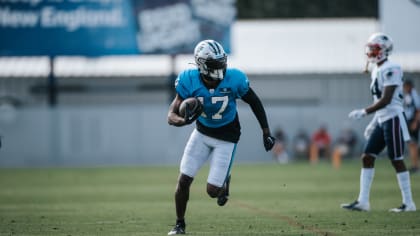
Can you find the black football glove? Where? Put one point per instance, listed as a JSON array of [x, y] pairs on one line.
[[192, 113], [268, 142]]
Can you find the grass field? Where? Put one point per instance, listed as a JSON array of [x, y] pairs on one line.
[[294, 199]]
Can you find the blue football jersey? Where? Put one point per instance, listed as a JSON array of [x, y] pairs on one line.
[[219, 104]]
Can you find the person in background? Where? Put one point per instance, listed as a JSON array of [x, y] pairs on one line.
[[279, 149], [344, 146], [387, 128], [320, 144], [301, 144], [412, 115]]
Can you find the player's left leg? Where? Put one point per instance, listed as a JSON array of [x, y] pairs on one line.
[[403, 177], [222, 193], [218, 180], [395, 146], [373, 147]]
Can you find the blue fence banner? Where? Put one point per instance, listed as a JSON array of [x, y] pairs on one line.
[[176, 26], [111, 27], [66, 27]]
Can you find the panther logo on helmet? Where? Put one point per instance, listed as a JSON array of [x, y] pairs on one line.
[[378, 47], [211, 60]]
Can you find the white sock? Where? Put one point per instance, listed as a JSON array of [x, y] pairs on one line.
[[405, 187], [366, 178]]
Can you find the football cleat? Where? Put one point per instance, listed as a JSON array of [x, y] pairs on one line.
[[224, 197], [404, 208], [178, 229], [356, 206]]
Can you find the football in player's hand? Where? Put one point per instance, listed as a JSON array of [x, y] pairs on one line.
[[190, 109]]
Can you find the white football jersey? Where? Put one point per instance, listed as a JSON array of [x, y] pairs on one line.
[[387, 74]]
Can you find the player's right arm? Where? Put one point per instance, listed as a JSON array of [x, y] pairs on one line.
[[392, 77], [383, 101], [379, 104], [173, 114]]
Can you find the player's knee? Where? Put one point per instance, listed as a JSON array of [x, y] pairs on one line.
[[368, 161], [184, 182], [213, 191], [399, 166]]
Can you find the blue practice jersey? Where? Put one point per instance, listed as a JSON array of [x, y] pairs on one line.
[[219, 104]]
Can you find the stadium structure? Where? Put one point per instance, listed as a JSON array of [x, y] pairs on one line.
[[112, 110]]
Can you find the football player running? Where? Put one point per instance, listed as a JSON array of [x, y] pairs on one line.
[[388, 127], [217, 124]]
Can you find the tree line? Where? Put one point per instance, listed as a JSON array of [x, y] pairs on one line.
[[260, 9]]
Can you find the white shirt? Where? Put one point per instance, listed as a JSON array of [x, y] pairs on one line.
[[411, 104], [387, 74]]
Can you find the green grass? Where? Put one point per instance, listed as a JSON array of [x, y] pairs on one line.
[[295, 199]]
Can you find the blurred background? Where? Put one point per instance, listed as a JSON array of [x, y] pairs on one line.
[[88, 83]]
